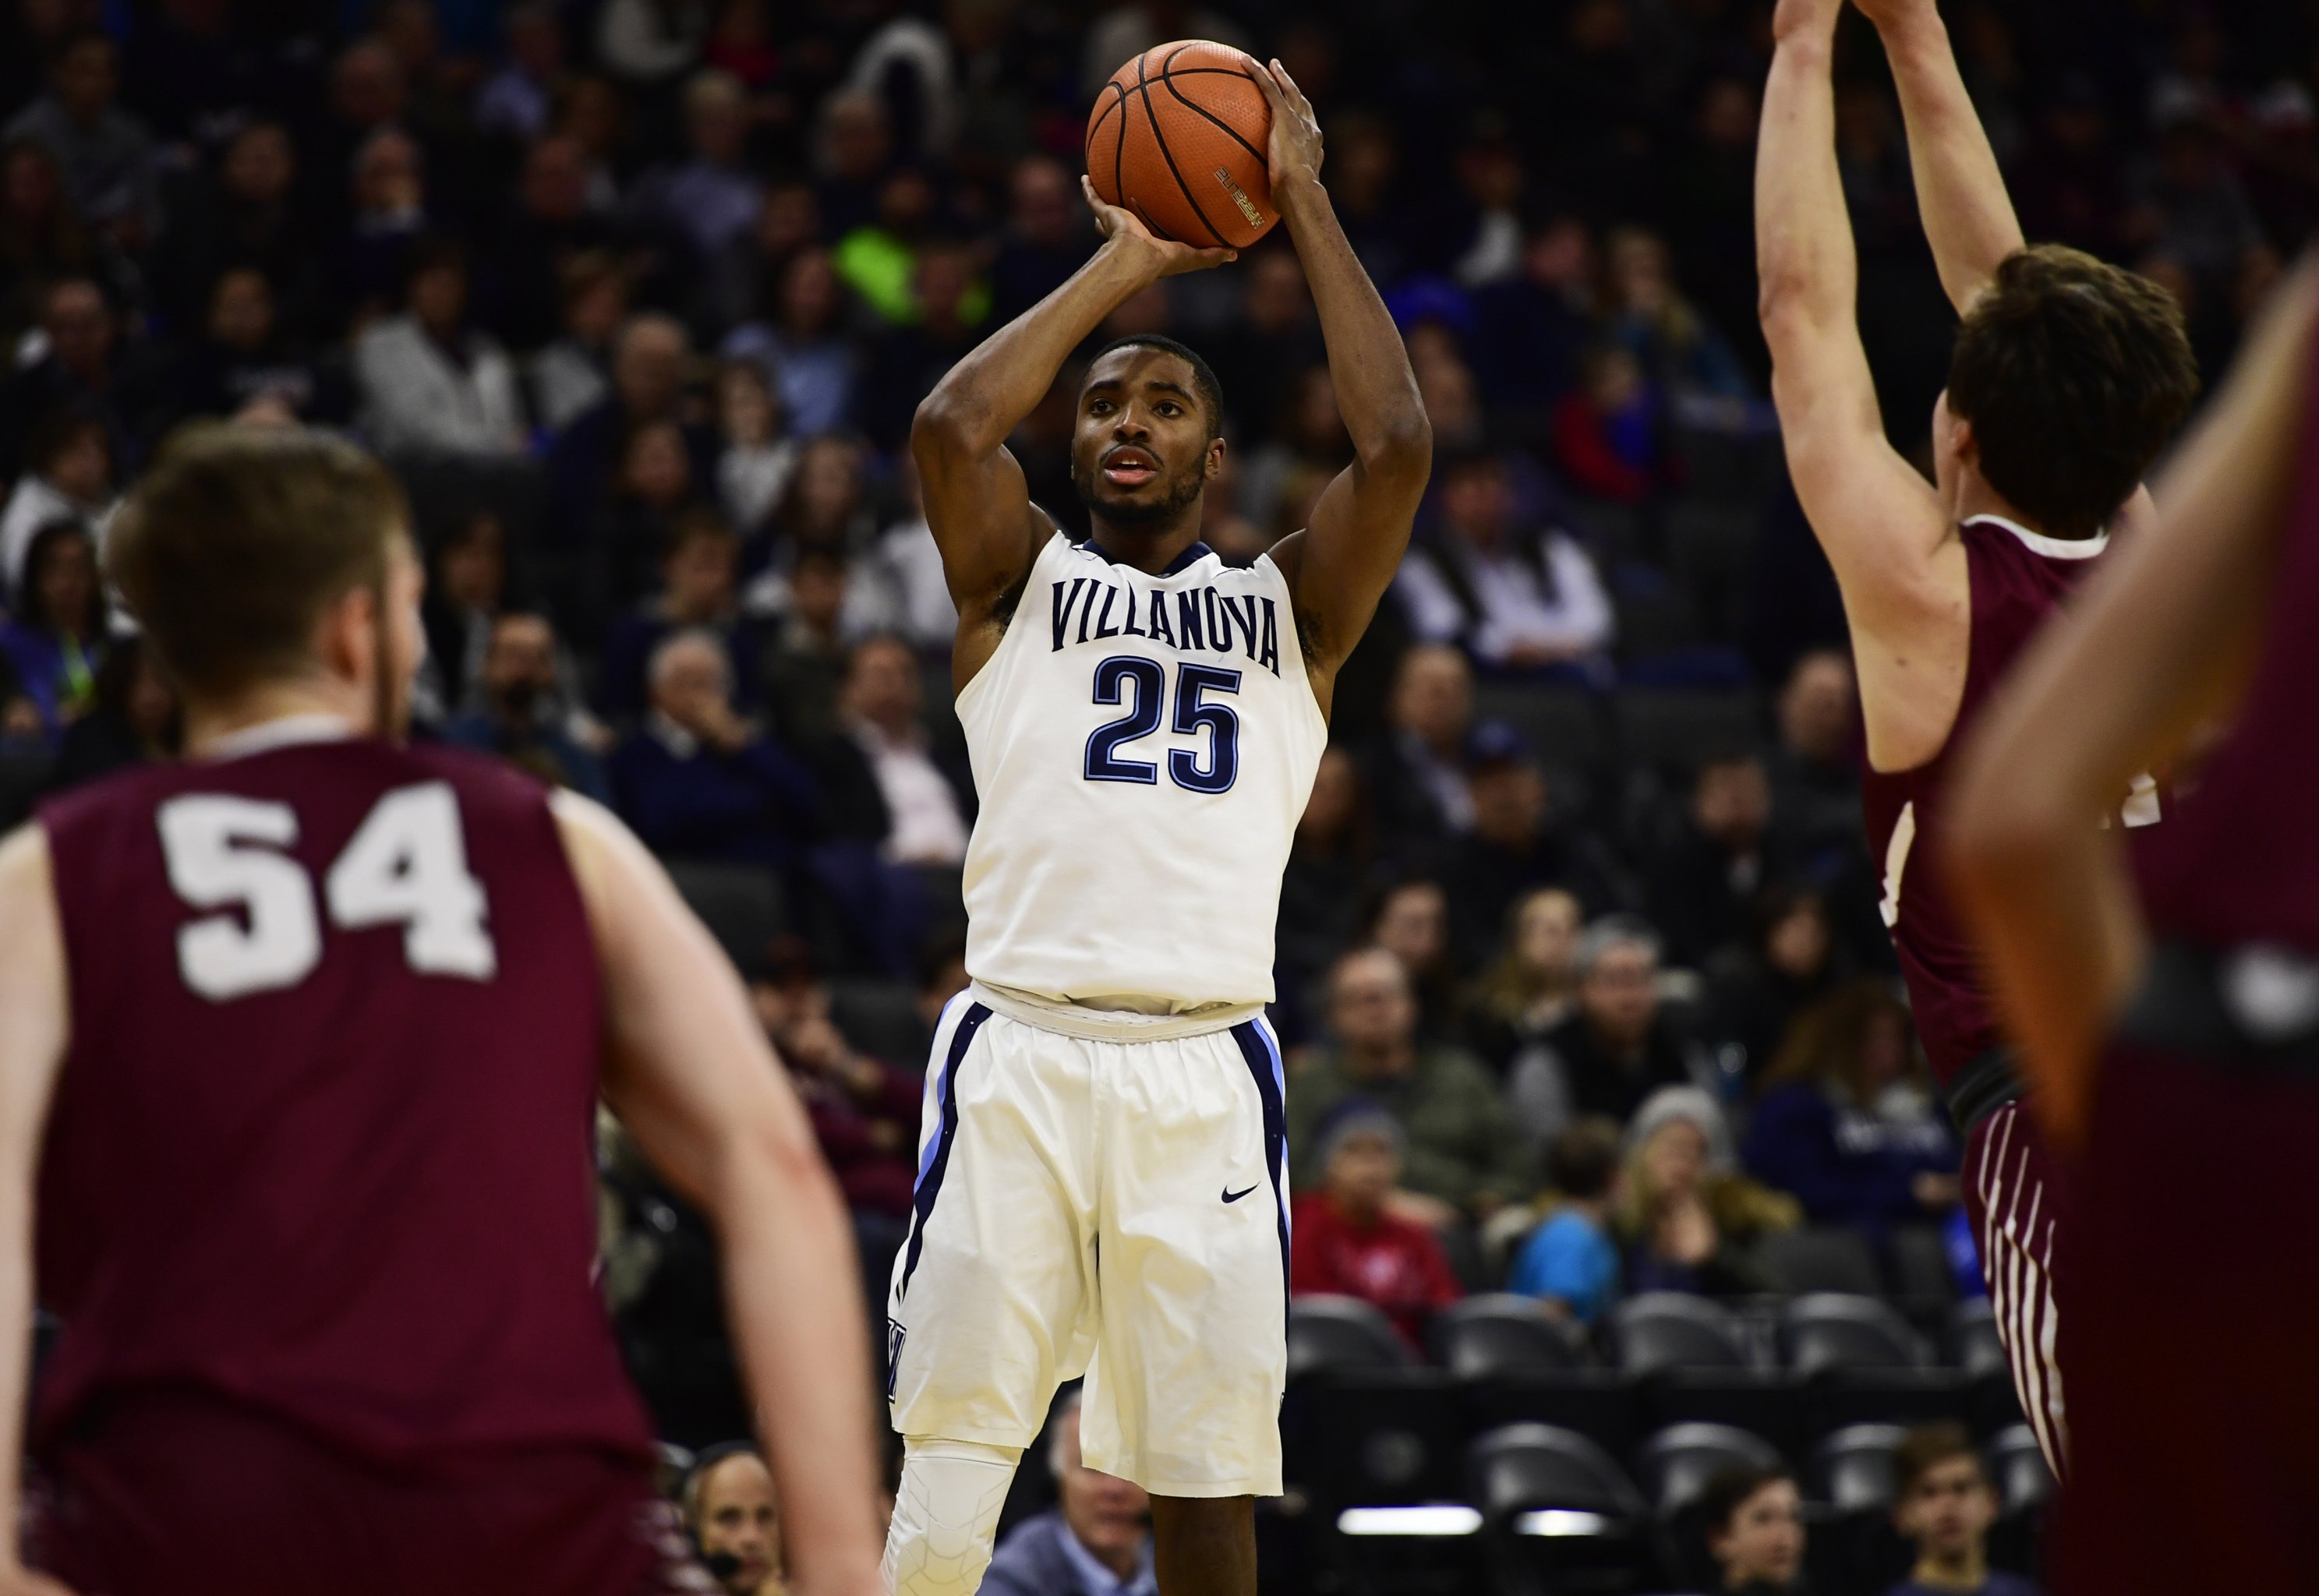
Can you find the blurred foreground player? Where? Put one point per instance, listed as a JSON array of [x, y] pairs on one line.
[[301, 1042], [2067, 378], [2194, 1408]]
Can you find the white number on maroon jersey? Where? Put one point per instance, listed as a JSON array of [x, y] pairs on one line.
[[406, 864], [220, 854]]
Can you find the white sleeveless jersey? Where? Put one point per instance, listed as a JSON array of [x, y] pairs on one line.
[[1143, 747]]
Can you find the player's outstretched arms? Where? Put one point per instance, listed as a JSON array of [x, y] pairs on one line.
[[1969, 218], [688, 1071], [1341, 564], [34, 1023], [2161, 640], [977, 503]]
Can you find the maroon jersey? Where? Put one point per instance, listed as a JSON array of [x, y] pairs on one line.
[[2017, 579], [323, 1143]]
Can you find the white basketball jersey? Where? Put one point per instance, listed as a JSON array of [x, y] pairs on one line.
[[1143, 747]]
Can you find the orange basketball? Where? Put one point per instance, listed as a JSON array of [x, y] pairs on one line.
[[1179, 136]]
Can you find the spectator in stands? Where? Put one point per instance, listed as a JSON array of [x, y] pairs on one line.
[[804, 667], [699, 569], [925, 801], [1688, 1217], [907, 361], [243, 357], [906, 568], [1615, 1051], [864, 1110], [571, 374], [133, 719], [755, 462], [650, 44], [711, 198], [1046, 237], [695, 781], [1517, 599], [1846, 1122], [652, 493], [245, 216], [1646, 314], [1943, 1504], [1307, 446], [802, 347], [104, 154], [41, 236], [518, 99], [734, 1516], [386, 224], [1533, 327], [1532, 985], [467, 585], [57, 639], [1410, 919], [1517, 844], [1754, 1526], [648, 375], [68, 477], [1320, 890], [1753, 993], [522, 278], [1418, 774], [518, 719], [1570, 1262], [1606, 430], [85, 367], [1096, 1541], [429, 383], [1814, 767], [1704, 879], [1273, 338], [1345, 1240], [1465, 1155]]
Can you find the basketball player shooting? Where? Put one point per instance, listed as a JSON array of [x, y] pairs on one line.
[[2067, 377], [2179, 1034], [1102, 1185], [300, 1040]]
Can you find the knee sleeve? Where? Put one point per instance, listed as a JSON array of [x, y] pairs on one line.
[[946, 1515]]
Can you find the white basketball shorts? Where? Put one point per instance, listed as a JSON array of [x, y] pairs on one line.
[[1117, 1208]]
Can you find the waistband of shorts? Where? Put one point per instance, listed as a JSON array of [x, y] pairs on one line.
[[1102, 1024], [2253, 1004], [1987, 1082]]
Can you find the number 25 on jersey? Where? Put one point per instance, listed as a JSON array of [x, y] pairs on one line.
[[406, 864]]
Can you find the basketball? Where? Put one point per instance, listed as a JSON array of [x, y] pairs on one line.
[[1177, 136]]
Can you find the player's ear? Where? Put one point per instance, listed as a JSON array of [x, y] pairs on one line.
[[346, 639], [1215, 461], [1963, 444]]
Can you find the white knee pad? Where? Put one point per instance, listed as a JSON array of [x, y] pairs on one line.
[[946, 1515]]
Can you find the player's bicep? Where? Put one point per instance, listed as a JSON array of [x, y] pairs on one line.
[[979, 508], [687, 1067], [1880, 523], [35, 1012], [1338, 567]]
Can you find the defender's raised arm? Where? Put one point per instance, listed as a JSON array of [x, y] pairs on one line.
[[977, 503], [1340, 566]]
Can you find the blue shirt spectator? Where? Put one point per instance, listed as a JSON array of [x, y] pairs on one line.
[[518, 719], [57, 639], [1571, 1260]]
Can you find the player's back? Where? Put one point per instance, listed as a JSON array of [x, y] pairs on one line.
[[322, 1144], [2017, 579]]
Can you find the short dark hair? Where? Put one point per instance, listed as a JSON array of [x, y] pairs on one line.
[[1204, 375], [695, 523], [237, 538], [32, 605], [1728, 1490], [1583, 1158], [2074, 374], [1925, 1448]]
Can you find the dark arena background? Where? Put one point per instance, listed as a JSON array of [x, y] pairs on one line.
[[637, 298]]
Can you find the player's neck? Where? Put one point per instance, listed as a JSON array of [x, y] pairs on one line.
[[209, 721], [1967, 1572], [1149, 549], [1975, 499]]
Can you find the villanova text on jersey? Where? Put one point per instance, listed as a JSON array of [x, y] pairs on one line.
[[1195, 620]]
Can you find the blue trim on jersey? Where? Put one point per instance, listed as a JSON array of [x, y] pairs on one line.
[[1264, 1066], [930, 1180], [1183, 562]]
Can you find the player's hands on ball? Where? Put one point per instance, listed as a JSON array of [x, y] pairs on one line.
[[1294, 155], [1123, 230]]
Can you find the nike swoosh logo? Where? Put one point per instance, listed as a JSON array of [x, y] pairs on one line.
[[1233, 1196]]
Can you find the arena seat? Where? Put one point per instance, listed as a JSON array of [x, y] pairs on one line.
[[1668, 1330], [1827, 1331], [1820, 1258], [1605, 1405], [1501, 1333], [1560, 1514], [1673, 1468], [1333, 1334], [1923, 1281], [881, 1017], [1974, 1346], [1379, 1454], [1677, 727], [1696, 1364], [2024, 1484], [1563, 723], [1854, 1474], [742, 905]]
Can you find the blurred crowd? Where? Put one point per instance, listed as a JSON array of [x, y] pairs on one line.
[[1579, 955]]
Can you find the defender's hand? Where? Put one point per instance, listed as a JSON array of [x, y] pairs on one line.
[[1123, 230], [1294, 153]]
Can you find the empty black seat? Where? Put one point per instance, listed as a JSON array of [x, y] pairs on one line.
[[1922, 1276], [1501, 1333], [1853, 1469], [1376, 1436], [1605, 1405], [1563, 725], [1820, 1258], [1662, 1330], [1678, 728], [740, 904], [1829, 1331], [1974, 1346], [1676, 1464], [1854, 1472], [1334, 1333], [1560, 1513]]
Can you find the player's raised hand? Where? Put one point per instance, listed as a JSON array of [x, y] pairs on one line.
[[1122, 229], [1295, 154]]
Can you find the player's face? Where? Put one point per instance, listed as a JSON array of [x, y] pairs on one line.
[[1140, 450]]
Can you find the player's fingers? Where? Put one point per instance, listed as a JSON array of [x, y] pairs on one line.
[[1263, 81], [1103, 219], [1289, 91]]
